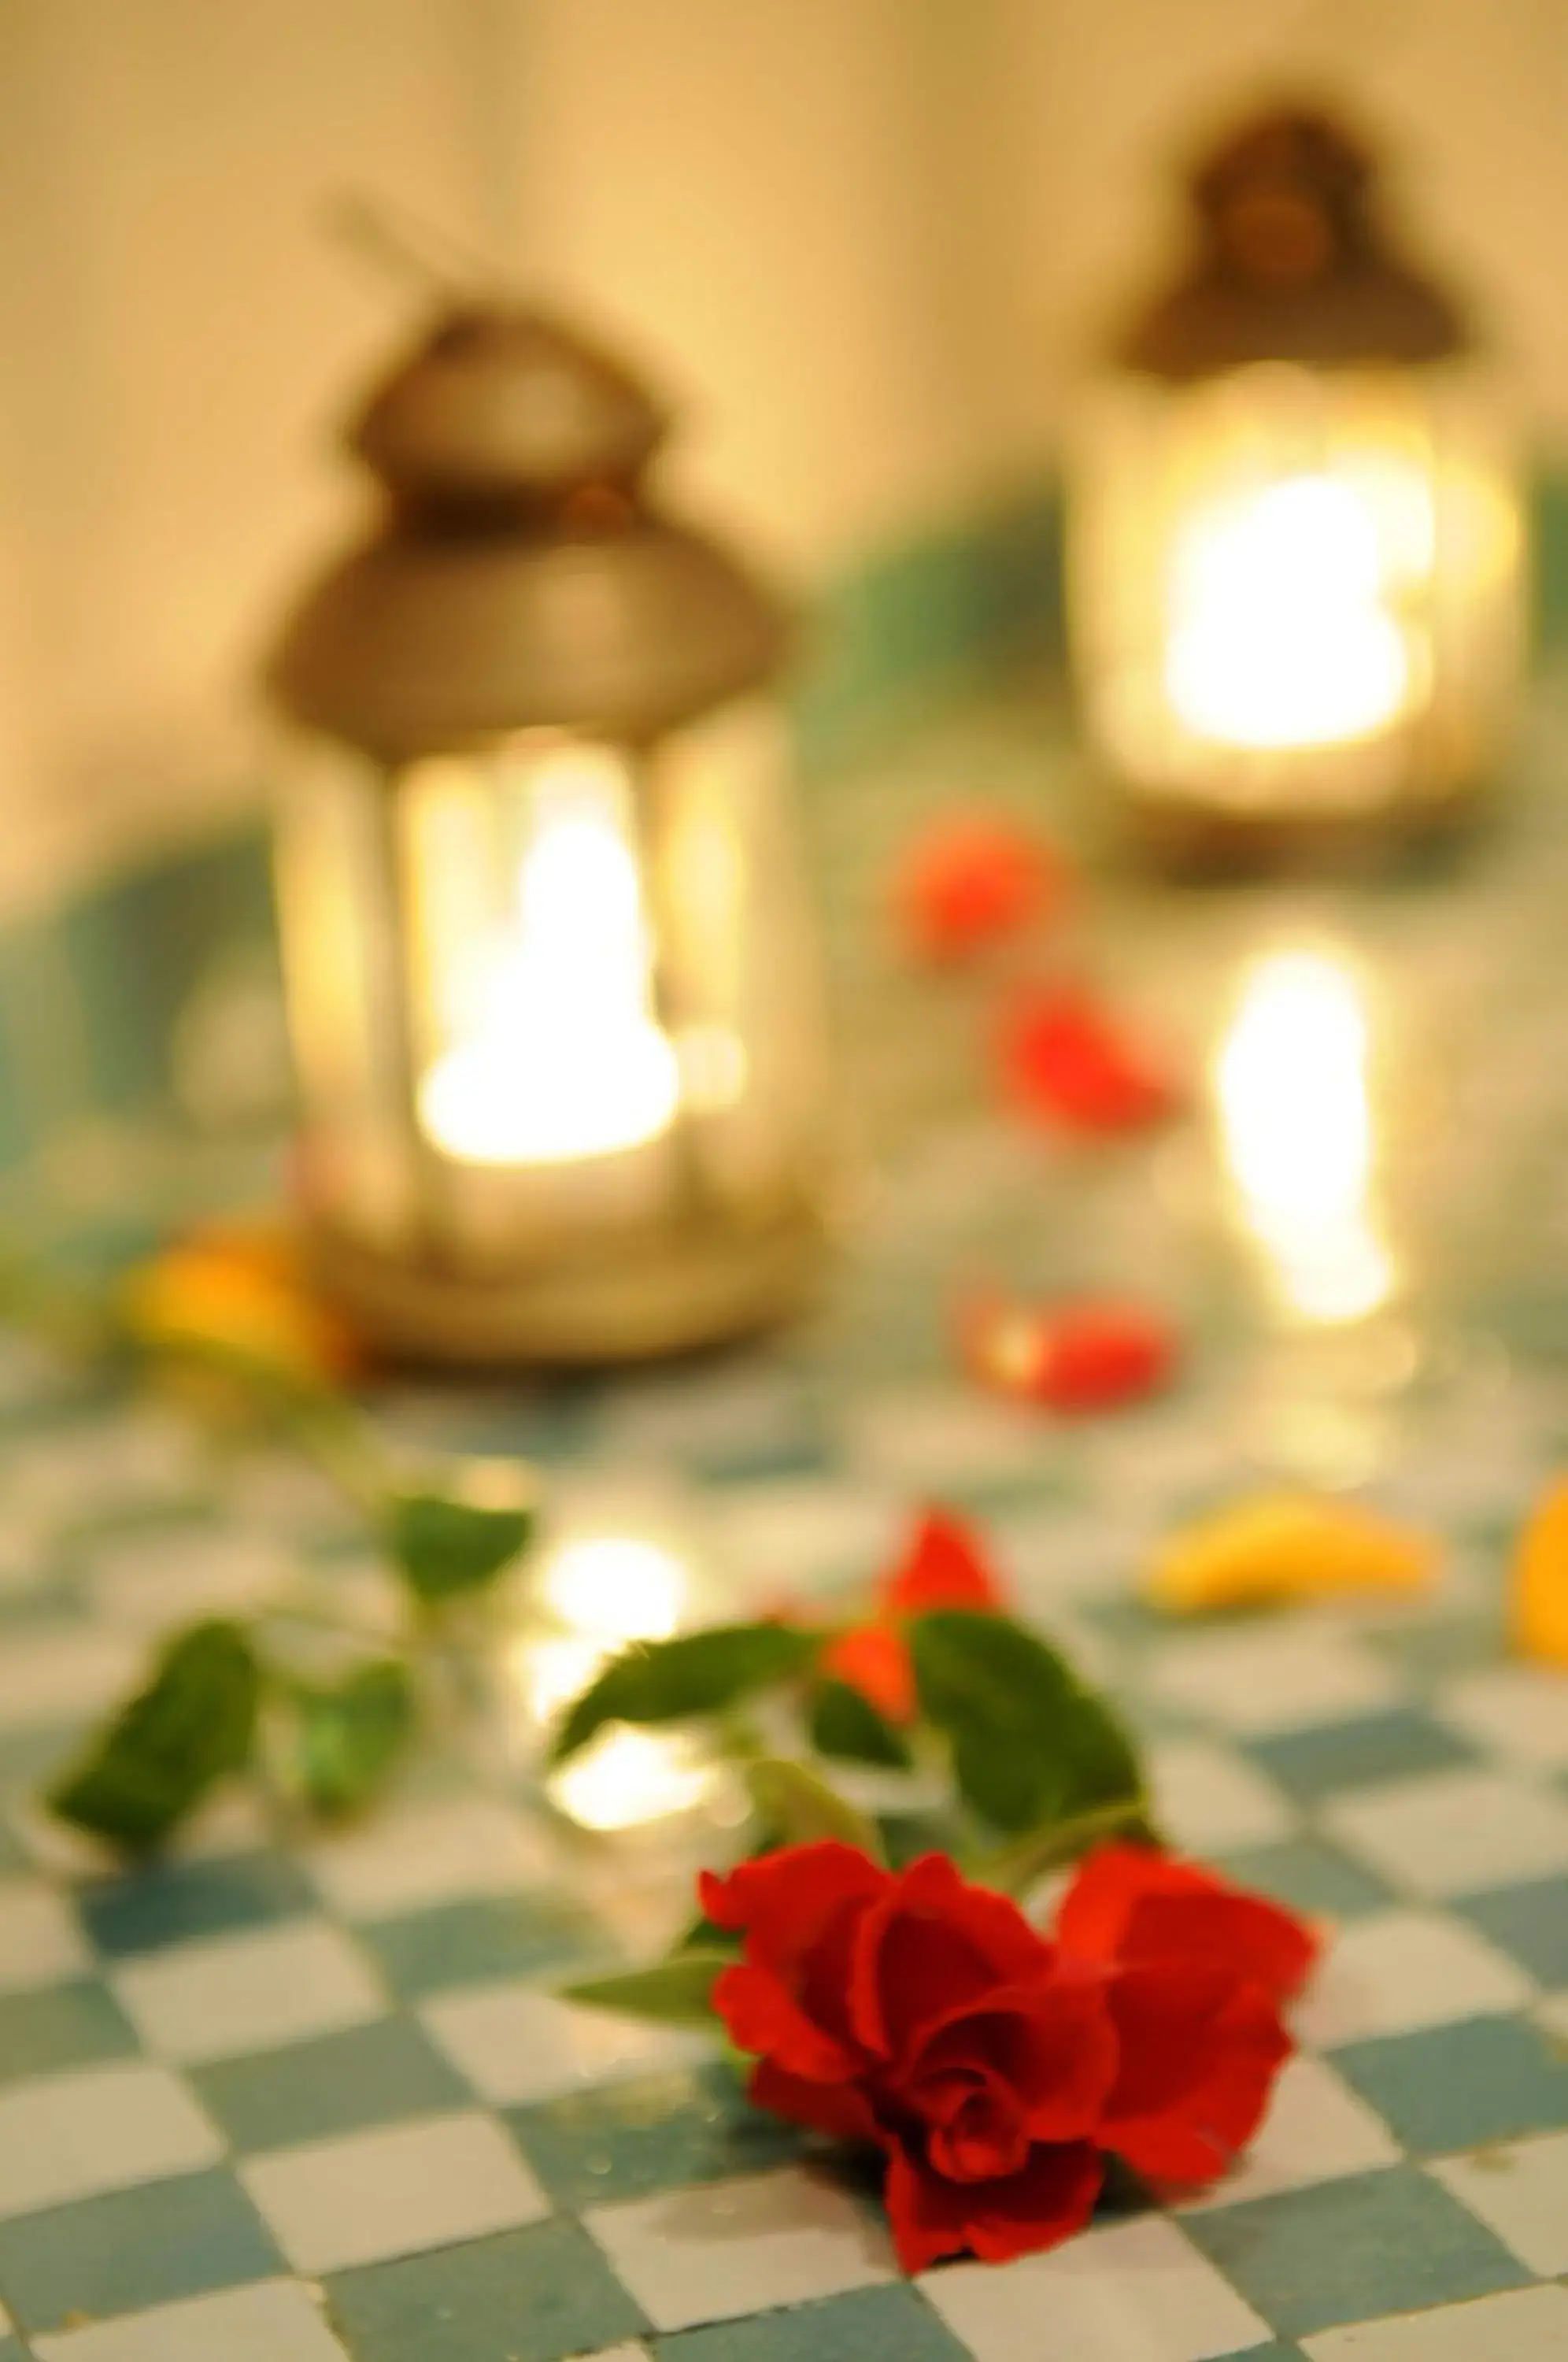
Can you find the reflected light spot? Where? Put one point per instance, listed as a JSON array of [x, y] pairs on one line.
[[1294, 1100], [629, 1778], [616, 1588]]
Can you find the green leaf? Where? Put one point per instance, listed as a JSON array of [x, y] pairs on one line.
[[348, 1739], [1016, 1867], [803, 1810], [695, 1674], [679, 1991], [457, 1539], [848, 1728], [193, 1724], [1031, 1745]]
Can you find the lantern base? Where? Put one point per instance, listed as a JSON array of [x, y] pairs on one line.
[[1186, 838], [677, 1296]]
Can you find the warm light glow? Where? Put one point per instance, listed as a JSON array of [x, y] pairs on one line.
[[556, 1054], [1294, 1097], [624, 1779], [1282, 633], [617, 1587]]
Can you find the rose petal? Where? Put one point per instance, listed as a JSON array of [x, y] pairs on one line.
[[800, 1908], [1199, 2055], [763, 2017], [874, 1660], [931, 1946], [1540, 1580], [1044, 2202], [967, 882], [1075, 1357], [1127, 1903], [1066, 1059], [1288, 1547], [944, 1566], [840, 2110], [1051, 2042]]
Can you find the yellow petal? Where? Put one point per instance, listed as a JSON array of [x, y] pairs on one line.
[[1286, 1546], [1540, 1580], [242, 1288]]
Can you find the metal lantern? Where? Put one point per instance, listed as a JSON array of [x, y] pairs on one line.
[[551, 981], [1294, 540]]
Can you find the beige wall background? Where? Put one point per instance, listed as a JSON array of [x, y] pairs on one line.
[[868, 239]]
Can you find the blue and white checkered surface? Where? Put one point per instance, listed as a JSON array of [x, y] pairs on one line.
[[290, 2098], [292, 2101]]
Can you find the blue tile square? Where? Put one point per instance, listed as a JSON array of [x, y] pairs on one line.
[[59, 2027], [460, 1943], [1485, 2078], [1376, 2242], [1530, 1922], [535, 2295], [375, 2074], [659, 2131], [874, 2324], [132, 2249], [1394, 1746], [181, 1901], [1310, 1875]]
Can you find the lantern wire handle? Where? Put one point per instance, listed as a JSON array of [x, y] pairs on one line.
[[410, 247]]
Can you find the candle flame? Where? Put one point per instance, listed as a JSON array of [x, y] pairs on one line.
[[1282, 633], [560, 1058]]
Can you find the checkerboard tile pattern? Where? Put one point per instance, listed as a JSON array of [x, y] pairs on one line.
[[318, 2103]]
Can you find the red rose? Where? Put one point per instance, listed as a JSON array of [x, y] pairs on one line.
[[993, 2066], [943, 1567], [926, 2017], [1197, 1972], [1129, 1904]]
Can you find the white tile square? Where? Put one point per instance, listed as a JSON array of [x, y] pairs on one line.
[[1211, 1801], [1134, 2293], [41, 1942], [516, 2043], [798, 1533], [1284, 1676], [1058, 1553], [1521, 2325], [420, 1854], [740, 2247], [1317, 2129], [1449, 1832], [161, 1575], [1521, 1712], [1519, 2188], [271, 2321], [335, 2203], [1398, 1971], [97, 2128], [67, 1673], [929, 1438], [249, 1992]]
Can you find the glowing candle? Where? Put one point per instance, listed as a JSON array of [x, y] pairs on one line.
[[1281, 630], [556, 1055]]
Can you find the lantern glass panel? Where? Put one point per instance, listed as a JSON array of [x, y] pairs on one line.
[[554, 1000], [1296, 592]]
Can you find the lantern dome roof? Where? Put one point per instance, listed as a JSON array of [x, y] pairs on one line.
[[1291, 262]]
